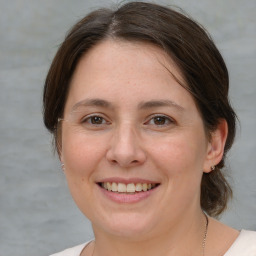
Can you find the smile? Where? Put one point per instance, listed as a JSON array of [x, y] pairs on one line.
[[127, 188]]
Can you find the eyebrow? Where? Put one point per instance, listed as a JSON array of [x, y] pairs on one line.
[[92, 102], [143, 105], [160, 103]]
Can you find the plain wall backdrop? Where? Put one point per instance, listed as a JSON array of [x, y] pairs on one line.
[[37, 214]]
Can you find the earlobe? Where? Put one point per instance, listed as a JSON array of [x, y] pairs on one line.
[[62, 166], [216, 146]]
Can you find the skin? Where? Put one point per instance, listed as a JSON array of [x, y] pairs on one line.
[[129, 143]]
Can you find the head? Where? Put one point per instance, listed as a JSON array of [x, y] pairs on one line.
[[203, 74]]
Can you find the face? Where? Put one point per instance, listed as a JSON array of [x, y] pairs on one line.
[[133, 141]]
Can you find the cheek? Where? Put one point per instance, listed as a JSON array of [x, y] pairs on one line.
[[179, 154], [81, 154]]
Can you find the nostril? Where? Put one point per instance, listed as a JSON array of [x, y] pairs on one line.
[[113, 161], [125, 156]]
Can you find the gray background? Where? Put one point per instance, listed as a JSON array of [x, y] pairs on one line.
[[37, 214]]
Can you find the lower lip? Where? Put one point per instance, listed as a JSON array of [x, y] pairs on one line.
[[128, 198]]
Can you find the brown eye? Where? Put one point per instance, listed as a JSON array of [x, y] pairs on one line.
[[96, 120], [160, 120]]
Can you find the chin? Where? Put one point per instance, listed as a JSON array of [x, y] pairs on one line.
[[127, 226]]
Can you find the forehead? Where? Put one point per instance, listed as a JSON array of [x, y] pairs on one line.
[[113, 52], [120, 69]]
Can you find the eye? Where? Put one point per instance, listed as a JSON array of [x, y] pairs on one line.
[[95, 120], [160, 120]]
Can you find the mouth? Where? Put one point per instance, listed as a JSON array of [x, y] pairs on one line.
[[130, 188]]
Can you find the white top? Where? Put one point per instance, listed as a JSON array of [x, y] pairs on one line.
[[244, 245]]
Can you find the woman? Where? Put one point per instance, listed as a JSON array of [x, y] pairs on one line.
[[137, 101]]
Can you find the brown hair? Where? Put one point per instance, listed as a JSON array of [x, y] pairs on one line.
[[186, 42]]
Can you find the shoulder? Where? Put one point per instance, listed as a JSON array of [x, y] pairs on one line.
[[245, 244], [74, 251]]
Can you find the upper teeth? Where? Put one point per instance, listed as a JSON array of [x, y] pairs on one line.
[[124, 188]]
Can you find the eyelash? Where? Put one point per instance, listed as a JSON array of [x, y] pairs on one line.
[[166, 118], [88, 120]]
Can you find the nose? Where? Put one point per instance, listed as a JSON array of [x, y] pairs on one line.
[[125, 148]]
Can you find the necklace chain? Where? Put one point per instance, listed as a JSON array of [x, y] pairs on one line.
[[205, 232]]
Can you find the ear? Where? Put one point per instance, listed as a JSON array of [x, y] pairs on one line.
[[61, 160], [59, 150], [216, 146], [58, 141]]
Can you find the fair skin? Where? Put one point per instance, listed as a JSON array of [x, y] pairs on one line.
[[139, 126]]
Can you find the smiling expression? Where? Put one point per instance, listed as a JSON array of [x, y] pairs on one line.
[[133, 141]]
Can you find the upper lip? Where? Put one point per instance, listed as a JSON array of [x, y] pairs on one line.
[[128, 181]]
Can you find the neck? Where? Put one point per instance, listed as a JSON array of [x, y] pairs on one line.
[[183, 238]]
